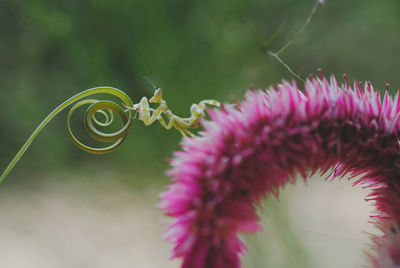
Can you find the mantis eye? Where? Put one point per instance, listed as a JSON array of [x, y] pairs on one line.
[[158, 92], [157, 97]]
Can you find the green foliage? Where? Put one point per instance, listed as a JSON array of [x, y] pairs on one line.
[[53, 49]]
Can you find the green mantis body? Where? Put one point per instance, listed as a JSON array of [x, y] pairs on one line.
[[150, 115]]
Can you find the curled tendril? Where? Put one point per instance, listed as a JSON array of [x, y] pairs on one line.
[[96, 107], [90, 121], [108, 120]]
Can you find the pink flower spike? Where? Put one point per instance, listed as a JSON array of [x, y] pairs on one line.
[[246, 154]]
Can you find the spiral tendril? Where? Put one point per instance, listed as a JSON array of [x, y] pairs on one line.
[[107, 120], [96, 107]]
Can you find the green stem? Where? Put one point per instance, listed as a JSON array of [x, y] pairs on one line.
[[118, 136]]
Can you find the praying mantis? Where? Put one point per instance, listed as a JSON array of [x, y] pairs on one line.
[[149, 115]]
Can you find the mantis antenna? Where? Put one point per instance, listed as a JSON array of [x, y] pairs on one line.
[[127, 112]]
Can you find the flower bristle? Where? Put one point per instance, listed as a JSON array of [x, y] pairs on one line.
[[249, 152]]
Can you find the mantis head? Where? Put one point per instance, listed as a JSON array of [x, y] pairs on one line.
[[157, 97]]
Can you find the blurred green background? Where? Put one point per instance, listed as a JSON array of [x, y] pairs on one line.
[[52, 49]]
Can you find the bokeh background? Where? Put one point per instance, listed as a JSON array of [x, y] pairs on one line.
[[61, 207]]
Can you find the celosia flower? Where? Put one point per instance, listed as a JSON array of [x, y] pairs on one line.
[[249, 152]]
